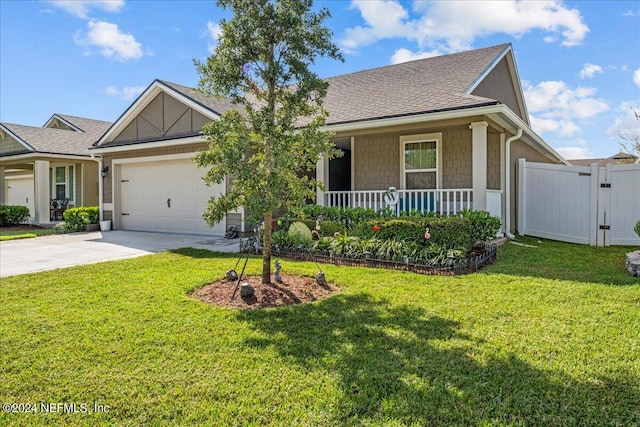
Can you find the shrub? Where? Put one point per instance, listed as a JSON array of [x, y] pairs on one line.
[[350, 217], [450, 232], [13, 215], [484, 227], [329, 228], [76, 218], [637, 228], [300, 232]]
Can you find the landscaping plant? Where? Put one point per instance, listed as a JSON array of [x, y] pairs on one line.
[[13, 215], [76, 218], [262, 64]]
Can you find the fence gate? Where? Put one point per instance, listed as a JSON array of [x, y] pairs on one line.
[[579, 204]]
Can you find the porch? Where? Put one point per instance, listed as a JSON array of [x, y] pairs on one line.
[[37, 183], [445, 170]]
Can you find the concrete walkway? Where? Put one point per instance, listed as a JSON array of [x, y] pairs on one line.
[[66, 250]]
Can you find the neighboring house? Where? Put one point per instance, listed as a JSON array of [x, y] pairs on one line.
[[446, 132], [51, 162], [617, 159]]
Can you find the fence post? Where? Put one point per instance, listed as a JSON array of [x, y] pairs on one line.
[[520, 196], [593, 211]]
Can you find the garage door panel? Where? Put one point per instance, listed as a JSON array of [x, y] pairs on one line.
[[167, 196], [19, 192]]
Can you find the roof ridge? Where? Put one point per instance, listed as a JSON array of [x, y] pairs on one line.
[[414, 61]]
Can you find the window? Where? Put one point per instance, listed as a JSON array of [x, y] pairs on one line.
[[420, 161], [62, 182]]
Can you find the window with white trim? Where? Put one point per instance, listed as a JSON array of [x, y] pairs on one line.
[[420, 161], [62, 180]]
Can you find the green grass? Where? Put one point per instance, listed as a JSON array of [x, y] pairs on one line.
[[521, 343], [26, 234]]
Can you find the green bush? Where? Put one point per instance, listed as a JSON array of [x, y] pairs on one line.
[[484, 227], [449, 232], [637, 228], [76, 218], [300, 232], [350, 217], [13, 215]]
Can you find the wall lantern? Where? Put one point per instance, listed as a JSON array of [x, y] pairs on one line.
[[104, 171]]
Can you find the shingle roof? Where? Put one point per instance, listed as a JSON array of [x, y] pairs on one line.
[[421, 86], [56, 141], [616, 159], [95, 128], [425, 85], [218, 106]]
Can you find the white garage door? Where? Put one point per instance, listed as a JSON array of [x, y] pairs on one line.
[[19, 192], [168, 196]]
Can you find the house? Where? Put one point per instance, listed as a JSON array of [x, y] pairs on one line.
[[443, 133], [38, 164], [617, 159]]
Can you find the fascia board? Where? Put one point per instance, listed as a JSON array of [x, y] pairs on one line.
[[66, 122], [26, 156], [24, 143], [417, 118], [490, 68], [148, 145]]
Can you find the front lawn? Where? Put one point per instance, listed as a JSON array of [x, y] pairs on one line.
[[24, 232], [521, 343]]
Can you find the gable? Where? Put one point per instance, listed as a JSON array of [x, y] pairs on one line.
[[498, 84], [163, 117], [56, 123], [9, 145]]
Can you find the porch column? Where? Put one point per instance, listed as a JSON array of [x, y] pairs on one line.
[[479, 164], [320, 177], [41, 193], [3, 196]]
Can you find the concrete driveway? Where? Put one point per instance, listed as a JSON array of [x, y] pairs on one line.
[[66, 250]]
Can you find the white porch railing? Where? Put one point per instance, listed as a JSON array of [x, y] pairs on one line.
[[444, 202]]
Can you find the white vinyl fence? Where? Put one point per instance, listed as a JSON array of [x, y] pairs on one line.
[[579, 204]]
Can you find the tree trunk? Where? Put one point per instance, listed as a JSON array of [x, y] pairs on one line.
[[266, 249]]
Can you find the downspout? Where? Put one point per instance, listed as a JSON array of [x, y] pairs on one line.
[[507, 184], [100, 186]]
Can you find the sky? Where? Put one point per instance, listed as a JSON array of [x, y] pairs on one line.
[[579, 61]]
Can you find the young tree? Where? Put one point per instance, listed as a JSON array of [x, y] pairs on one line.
[[265, 146], [630, 137]]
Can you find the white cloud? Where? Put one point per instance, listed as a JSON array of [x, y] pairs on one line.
[[571, 153], [589, 70], [452, 26], [213, 31], [81, 8], [636, 77], [627, 122], [556, 107], [127, 93], [404, 55], [111, 41]]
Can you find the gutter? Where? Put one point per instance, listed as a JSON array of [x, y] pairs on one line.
[[100, 186], [507, 183]]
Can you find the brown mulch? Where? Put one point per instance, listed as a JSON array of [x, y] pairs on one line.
[[293, 290], [20, 227]]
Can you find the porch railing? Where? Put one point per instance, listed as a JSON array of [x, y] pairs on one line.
[[444, 202]]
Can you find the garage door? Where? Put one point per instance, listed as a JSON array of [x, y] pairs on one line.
[[19, 192], [168, 196]]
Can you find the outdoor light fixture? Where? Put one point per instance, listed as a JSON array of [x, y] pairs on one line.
[[104, 171]]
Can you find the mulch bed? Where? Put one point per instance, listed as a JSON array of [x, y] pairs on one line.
[[293, 290]]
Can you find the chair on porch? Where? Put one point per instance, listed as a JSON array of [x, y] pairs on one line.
[[57, 208]]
